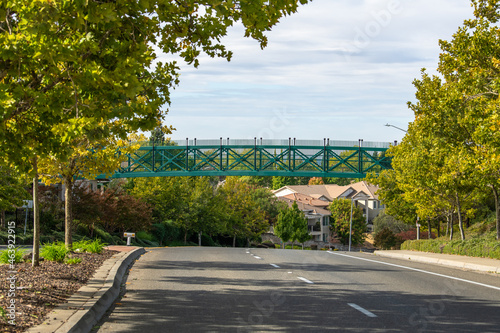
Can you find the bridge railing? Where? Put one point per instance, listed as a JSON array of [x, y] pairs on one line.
[[271, 142]]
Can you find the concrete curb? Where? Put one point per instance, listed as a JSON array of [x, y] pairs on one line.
[[462, 264], [88, 305]]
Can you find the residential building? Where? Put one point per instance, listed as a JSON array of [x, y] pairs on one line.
[[318, 217], [317, 197]]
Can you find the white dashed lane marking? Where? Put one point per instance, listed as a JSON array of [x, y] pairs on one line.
[[362, 310], [305, 280]]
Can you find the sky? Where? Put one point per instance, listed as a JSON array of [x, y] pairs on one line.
[[338, 69]]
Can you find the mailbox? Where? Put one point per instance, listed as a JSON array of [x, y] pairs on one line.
[[129, 235]]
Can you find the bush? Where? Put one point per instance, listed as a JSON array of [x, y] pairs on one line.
[[103, 235], [14, 256], [479, 246], [412, 234], [206, 240], [268, 244], [73, 261], [95, 246], [54, 252], [143, 235], [383, 221], [165, 232], [386, 239]]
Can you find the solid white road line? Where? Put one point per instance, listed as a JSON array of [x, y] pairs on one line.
[[274, 265], [305, 280], [360, 309], [418, 270]]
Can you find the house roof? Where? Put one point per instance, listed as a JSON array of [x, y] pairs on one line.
[[331, 191], [299, 197], [305, 207]]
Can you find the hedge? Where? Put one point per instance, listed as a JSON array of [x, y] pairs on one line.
[[486, 247]]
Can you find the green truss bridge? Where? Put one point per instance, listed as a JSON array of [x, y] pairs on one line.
[[225, 157]]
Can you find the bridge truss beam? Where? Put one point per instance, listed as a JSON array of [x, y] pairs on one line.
[[254, 160]]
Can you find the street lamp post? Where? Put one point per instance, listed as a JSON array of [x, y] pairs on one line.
[[389, 125], [350, 225]]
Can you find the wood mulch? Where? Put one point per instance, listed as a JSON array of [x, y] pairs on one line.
[[39, 289]]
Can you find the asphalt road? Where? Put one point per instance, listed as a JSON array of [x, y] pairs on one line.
[[259, 290]]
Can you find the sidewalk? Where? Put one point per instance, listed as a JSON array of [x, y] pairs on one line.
[[87, 306], [456, 261]]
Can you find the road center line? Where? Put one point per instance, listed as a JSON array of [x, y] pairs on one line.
[[305, 280], [274, 265], [360, 309], [418, 270]]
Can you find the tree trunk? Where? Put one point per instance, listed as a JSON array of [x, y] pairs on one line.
[[185, 237], [302, 246], [199, 238], [429, 229], [234, 241], [2, 219], [68, 213], [497, 210], [447, 224], [460, 221], [451, 225], [438, 228], [36, 217]]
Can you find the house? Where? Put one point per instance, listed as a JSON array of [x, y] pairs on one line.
[[318, 217], [320, 196]]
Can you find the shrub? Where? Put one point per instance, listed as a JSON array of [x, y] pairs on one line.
[[412, 234], [386, 239], [14, 256], [103, 235], [206, 240], [143, 235], [54, 252], [269, 244], [166, 231], [95, 246], [73, 261], [383, 221]]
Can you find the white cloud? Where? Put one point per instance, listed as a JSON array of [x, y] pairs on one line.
[[340, 69]]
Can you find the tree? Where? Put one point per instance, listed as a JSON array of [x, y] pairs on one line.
[[392, 196], [283, 227], [203, 214], [63, 64], [384, 221], [300, 226], [280, 181], [12, 191], [458, 111], [89, 158], [292, 225], [244, 217], [340, 221], [316, 181], [113, 210]]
